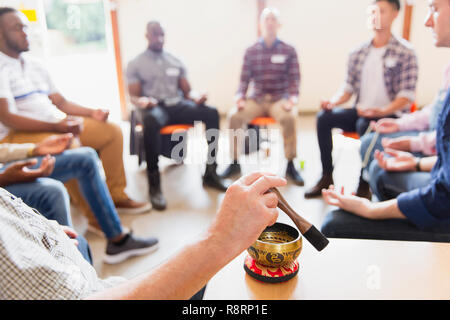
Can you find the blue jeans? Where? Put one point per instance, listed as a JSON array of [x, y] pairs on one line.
[[51, 198], [388, 185], [367, 139]]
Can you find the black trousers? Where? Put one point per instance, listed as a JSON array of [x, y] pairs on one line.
[[345, 119], [185, 112]]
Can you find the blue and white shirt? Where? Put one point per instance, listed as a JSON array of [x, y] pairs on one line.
[[26, 84]]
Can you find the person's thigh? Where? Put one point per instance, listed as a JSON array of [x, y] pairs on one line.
[[156, 117], [48, 196], [280, 114], [96, 134], [187, 112], [388, 185], [367, 141], [27, 137], [342, 118], [239, 118]]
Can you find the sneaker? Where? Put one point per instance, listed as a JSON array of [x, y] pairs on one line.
[[130, 246], [129, 206]]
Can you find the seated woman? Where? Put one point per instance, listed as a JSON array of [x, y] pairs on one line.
[[39, 182]]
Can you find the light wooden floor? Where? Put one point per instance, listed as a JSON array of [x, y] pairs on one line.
[[191, 208]]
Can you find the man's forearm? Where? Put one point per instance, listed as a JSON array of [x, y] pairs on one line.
[[18, 122], [397, 105], [341, 98], [74, 109], [179, 278], [386, 210]]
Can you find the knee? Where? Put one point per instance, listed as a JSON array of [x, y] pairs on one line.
[[149, 120], [114, 130], [236, 120], [288, 120], [54, 191], [323, 118]]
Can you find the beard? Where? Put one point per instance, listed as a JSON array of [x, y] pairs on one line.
[[14, 45]]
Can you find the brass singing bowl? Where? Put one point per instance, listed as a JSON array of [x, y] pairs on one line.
[[277, 246]]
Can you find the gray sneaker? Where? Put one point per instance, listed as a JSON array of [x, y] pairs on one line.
[[133, 246]]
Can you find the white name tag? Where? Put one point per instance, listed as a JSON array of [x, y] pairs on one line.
[[173, 72], [278, 58], [391, 62]]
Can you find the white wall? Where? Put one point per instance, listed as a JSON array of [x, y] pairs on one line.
[[212, 35]]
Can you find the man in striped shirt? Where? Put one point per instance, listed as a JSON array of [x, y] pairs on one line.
[[272, 67]]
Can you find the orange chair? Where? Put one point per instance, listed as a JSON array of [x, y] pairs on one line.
[[175, 128], [263, 121], [355, 135], [137, 137]]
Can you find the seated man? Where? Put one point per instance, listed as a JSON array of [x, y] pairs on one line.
[[38, 261], [38, 183], [159, 89], [29, 104], [382, 73], [272, 66], [428, 205], [415, 132]]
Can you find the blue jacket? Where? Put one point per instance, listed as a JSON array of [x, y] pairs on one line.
[[430, 205]]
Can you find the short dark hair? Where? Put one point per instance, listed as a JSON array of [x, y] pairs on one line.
[[395, 3], [5, 10]]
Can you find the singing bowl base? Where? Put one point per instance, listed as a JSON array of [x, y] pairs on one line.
[[270, 274]]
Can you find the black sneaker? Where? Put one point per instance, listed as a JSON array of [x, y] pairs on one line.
[[129, 247]]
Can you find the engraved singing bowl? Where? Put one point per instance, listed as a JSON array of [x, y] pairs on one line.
[[277, 246]]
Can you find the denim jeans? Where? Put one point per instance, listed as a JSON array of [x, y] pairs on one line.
[[51, 198], [367, 139], [388, 185]]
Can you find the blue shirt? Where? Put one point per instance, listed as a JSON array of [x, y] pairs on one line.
[[430, 205]]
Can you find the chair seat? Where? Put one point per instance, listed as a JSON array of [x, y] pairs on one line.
[[353, 135], [263, 121], [175, 128]]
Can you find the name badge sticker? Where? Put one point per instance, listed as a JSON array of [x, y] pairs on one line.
[[173, 72], [278, 58]]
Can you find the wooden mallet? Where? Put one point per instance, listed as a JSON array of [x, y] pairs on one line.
[[314, 236]]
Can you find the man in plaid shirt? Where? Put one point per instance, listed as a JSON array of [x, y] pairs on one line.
[[382, 74], [272, 67]]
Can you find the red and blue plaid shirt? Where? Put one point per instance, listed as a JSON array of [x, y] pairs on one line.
[[400, 69], [272, 71]]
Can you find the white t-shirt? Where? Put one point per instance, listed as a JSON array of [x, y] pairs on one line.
[[373, 88], [26, 84]]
